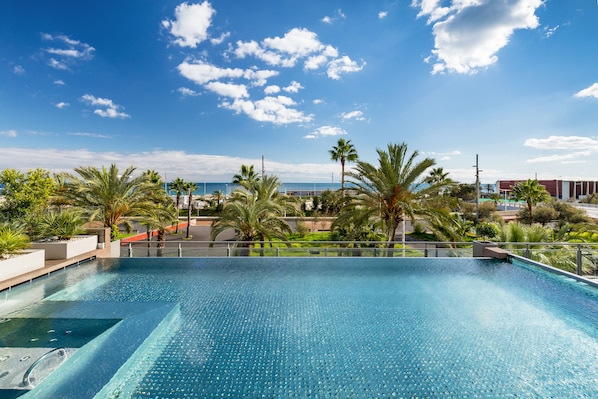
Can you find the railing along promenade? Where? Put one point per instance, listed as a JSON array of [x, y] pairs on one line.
[[579, 258]]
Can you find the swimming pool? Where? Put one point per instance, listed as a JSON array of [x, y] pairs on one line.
[[319, 328]]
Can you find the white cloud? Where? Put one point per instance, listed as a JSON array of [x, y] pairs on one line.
[[8, 133], [62, 105], [66, 51], [228, 89], [273, 89], [92, 135], [318, 101], [294, 87], [18, 70], [202, 72], [382, 14], [563, 158], [220, 39], [191, 25], [277, 110], [330, 20], [107, 108], [550, 31], [190, 167], [185, 91], [59, 82], [343, 65], [357, 115], [563, 143], [324, 131], [591, 91], [469, 33], [327, 20]]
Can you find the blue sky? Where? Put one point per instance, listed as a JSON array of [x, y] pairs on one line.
[[194, 90]]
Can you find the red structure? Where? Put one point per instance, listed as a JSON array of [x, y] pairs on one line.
[[561, 189]]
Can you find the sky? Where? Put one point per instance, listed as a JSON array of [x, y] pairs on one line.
[[197, 89]]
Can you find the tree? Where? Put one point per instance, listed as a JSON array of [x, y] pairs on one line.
[[532, 193], [247, 176], [256, 213], [25, 194], [190, 188], [392, 192], [162, 217], [344, 152], [109, 195], [178, 186]]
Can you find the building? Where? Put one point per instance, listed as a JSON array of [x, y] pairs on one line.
[[561, 189]]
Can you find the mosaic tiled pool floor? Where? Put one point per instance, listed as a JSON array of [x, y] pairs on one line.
[[360, 328]]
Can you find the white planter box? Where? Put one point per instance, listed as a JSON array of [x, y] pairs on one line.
[[24, 262], [69, 248]]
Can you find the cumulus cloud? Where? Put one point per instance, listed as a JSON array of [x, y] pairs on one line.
[[591, 91], [382, 14], [357, 115], [298, 44], [191, 24], [278, 110], [185, 91], [468, 34], [214, 168], [64, 51], [294, 87], [62, 105], [228, 89], [105, 107], [272, 89], [220, 39], [59, 82], [8, 133], [18, 70], [330, 20], [324, 131]]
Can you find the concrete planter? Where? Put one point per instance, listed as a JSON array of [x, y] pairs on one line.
[[21, 263], [68, 248]]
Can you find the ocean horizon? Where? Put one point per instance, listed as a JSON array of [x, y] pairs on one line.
[[205, 188]]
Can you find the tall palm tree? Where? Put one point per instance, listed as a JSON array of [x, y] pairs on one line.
[[247, 176], [109, 195], [190, 188], [344, 152], [532, 193], [391, 192], [178, 186]]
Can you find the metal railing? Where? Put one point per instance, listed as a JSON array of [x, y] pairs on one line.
[[579, 258]]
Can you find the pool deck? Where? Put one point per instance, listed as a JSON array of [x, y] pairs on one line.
[[54, 265]]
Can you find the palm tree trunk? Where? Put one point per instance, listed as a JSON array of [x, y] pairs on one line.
[[189, 213]]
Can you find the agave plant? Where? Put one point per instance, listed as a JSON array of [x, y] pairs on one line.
[[11, 241]]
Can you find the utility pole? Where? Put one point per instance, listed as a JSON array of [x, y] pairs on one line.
[[477, 190]]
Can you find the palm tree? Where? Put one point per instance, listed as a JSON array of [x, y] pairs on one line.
[[178, 186], [256, 212], [190, 188], [109, 195], [247, 176], [162, 217], [344, 152], [392, 192], [532, 193]]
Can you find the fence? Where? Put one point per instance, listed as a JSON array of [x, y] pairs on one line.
[[578, 258]]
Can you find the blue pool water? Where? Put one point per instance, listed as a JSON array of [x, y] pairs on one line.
[[328, 328]]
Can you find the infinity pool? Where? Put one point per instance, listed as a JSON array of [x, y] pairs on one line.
[[309, 328]]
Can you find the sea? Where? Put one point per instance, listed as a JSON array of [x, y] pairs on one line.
[[296, 189]]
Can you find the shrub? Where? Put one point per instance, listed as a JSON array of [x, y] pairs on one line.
[[65, 225], [11, 241]]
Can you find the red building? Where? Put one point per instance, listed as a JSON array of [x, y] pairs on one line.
[[562, 189]]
